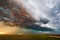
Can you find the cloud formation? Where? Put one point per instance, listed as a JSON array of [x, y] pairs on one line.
[[44, 15]]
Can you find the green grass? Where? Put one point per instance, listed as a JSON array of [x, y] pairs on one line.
[[29, 37]]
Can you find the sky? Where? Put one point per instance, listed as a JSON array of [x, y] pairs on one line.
[[46, 10], [49, 9]]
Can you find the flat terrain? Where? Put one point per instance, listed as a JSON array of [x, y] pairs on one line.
[[30, 37]]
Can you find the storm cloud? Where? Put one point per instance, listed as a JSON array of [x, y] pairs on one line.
[[42, 15]]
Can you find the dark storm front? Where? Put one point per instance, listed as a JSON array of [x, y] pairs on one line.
[[18, 13]]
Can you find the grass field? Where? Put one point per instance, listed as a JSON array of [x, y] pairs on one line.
[[30, 37]]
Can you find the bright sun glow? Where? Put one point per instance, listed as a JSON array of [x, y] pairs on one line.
[[1, 32]]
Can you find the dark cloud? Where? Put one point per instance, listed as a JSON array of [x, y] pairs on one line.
[[27, 22], [38, 28], [44, 20]]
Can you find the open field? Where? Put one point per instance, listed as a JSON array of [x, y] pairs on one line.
[[30, 37]]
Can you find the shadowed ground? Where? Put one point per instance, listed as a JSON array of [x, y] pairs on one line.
[[30, 37]]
